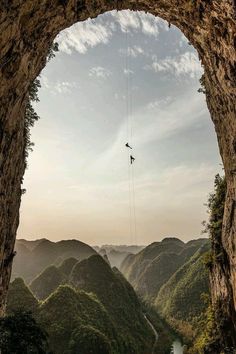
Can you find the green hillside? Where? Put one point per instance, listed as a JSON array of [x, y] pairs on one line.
[[95, 276], [157, 273], [151, 268], [67, 265], [32, 257], [51, 277], [135, 265], [180, 300], [47, 282], [98, 312], [68, 314], [89, 307], [20, 298]]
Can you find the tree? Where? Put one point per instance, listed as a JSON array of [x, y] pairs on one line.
[[209, 328], [19, 333], [20, 298], [216, 205], [88, 340], [30, 114]]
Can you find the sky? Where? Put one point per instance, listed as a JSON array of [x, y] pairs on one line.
[[122, 77]]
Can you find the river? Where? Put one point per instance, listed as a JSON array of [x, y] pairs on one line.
[[177, 347]]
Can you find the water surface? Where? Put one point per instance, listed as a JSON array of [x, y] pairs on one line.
[[177, 347]]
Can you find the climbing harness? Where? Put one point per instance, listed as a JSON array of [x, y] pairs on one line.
[[132, 159], [128, 146]]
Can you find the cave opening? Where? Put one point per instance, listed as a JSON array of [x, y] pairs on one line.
[[78, 181], [27, 32], [78, 172]]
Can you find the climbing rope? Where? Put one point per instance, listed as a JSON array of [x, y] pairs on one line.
[[129, 145]]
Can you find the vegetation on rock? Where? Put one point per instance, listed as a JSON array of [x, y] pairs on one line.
[[47, 282], [151, 268], [180, 300], [20, 298], [20, 333]]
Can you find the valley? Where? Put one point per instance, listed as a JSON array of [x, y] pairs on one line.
[[119, 299]]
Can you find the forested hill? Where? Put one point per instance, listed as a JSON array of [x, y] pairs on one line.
[[95, 311], [32, 257], [76, 295], [151, 268], [182, 300], [173, 276]]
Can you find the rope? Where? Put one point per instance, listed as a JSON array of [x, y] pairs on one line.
[[134, 206], [130, 200], [129, 127]]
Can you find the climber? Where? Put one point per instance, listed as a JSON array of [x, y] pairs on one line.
[[128, 146], [132, 159]]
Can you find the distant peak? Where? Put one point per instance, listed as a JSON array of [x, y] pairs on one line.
[[172, 239]]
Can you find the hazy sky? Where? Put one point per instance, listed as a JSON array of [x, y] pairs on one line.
[[78, 177]]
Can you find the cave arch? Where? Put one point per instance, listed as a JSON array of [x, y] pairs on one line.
[[28, 28]]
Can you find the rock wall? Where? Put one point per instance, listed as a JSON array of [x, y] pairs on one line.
[[27, 29]]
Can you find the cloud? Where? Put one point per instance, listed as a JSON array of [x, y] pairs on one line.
[[128, 72], [149, 25], [138, 21], [127, 20], [60, 87], [64, 87], [168, 119], [84, 35], [88, 34], [45, 82], [184, 64], [132, 51], [175, 184], [100, 72], [159, 103]]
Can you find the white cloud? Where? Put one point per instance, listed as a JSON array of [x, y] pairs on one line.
[[128, 72], [60, 87], [138, 21], [164, 122], [64, 87], [127, 20], [132, 51], [44, 82], [184, 64], [169, 120], [159, 103], [176, 184], [100, 72], [88, 34], [149, 25], [84, 35]]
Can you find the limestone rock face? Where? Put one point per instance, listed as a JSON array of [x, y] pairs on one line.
[[27, 29]]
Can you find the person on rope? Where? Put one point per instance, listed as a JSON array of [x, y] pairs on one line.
[[132, 159], [128, 146]]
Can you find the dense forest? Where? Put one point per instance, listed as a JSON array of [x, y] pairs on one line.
[[93, 310], [86, 305]]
